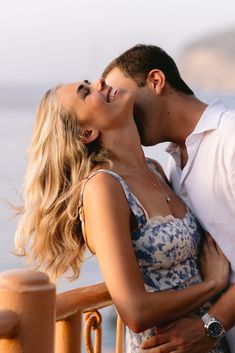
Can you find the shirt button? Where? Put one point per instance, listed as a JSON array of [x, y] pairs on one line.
[[184, 194]]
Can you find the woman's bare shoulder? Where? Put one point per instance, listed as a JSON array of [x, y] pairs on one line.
[[104, 189], [102, 181]]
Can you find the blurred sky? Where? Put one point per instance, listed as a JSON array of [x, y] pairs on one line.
[[57, 41]]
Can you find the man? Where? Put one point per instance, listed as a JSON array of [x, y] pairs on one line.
[[201, 171]]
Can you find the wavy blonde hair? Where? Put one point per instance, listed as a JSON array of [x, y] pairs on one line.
[[49, 232]]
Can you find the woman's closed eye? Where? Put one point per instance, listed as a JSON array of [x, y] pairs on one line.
[[85, 91]]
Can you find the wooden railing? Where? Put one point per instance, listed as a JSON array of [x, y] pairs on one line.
[[33, 319]]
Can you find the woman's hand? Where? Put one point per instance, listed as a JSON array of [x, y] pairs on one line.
[[214, 265]]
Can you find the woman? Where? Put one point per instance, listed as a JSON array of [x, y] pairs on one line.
[[88, 182]]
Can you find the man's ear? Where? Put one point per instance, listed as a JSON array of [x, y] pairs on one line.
[[89, 135], [157, 80]]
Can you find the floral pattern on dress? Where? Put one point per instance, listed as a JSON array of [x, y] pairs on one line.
[[167, 250]]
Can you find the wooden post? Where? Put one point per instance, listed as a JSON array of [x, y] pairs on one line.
[[31, 296], [119, 335], [68, 334], [9, 324]]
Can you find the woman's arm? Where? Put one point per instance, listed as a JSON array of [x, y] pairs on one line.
[[107, 223]]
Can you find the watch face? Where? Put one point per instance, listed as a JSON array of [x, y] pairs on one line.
[[215, 329]]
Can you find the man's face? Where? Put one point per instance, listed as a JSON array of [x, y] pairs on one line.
[[121, 81], [145, 100]]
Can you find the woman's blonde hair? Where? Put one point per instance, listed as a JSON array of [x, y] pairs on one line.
[[49, 231]]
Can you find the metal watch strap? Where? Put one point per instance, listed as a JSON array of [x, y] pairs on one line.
[[206, 318], [209, 320]]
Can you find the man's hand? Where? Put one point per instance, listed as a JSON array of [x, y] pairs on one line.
[[186, 336]]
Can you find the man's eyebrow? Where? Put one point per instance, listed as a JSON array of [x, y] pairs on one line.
[[81, 86]]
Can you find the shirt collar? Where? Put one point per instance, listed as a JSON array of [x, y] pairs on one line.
[[209, 120]]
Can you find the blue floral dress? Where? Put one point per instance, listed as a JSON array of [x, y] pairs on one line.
[[166, 249]]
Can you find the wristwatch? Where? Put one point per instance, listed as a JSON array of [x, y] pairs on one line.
[[214, 328]]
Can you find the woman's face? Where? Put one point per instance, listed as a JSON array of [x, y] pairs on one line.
[[97, 105]]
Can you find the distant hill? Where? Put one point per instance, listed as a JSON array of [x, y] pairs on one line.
[[209, 63]]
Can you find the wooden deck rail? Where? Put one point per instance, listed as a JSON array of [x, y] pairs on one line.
[[30, 297], [69, 309], [84, 298], [34, 320]]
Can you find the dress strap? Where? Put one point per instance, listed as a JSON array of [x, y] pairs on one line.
[[133, 202], [84, 184]]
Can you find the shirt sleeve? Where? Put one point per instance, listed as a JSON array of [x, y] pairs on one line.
[[232, 173], [230, 152], [169, 168]]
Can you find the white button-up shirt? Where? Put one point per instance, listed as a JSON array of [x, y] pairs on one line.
[[207, 182]]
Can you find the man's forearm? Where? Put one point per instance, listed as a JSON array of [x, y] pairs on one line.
[[189, 335], [224, 308]]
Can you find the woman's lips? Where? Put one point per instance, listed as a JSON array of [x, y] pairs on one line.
[[112, 93]]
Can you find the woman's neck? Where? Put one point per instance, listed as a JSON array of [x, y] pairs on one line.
[[125, 146]]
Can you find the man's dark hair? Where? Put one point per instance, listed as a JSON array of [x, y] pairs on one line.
[[139, 60]]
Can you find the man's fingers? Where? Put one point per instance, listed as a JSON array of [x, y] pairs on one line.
[[220, 252], [164, 348], [205, 248], [214, 247], [154, 341], [165, 328], [211, 244]]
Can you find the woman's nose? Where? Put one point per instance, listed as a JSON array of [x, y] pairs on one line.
[[100, 84]]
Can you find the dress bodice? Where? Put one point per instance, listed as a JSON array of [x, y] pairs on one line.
[[167, 250], [166, 247]]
